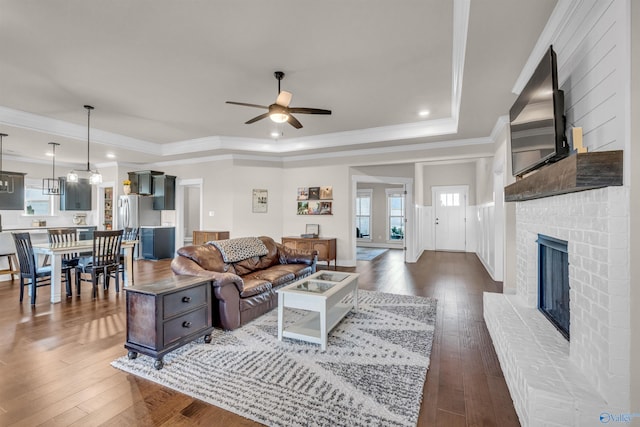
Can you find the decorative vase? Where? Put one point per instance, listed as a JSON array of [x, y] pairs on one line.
[[126, 189]]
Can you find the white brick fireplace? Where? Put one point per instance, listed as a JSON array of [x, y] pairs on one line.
[[553, 381]]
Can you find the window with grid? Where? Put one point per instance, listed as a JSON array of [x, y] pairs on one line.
[[395, 214], [35, 202], [363, 214]]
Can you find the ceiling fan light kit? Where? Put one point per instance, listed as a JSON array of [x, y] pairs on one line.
[[280, 112], [94, 176]]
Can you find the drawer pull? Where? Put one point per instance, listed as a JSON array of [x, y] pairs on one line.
[[186, 299], [186, 324]]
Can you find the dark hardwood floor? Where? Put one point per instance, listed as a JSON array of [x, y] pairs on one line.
[[55, 371]]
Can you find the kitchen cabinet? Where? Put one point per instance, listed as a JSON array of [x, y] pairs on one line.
[[166, 315], [77, 195], [164, 192], [13, 201], [201, 237], [326, 246], [157, 242], [142, 181]]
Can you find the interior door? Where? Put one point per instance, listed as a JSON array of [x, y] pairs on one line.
[[450, 207]]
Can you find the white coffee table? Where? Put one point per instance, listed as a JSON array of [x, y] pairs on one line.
[[321, 294]]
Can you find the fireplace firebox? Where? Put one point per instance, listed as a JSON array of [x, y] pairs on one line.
[[553, 282]]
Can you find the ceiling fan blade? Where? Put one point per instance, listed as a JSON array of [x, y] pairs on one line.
[[284, 98], [294, 122], [247, 105], [303, 110], [255, 119]]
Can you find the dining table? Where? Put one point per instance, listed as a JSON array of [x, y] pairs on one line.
[[56, 250]]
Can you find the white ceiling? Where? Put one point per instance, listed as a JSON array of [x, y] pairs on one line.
[[158, 73]]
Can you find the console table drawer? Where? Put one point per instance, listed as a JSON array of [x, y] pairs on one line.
[[183, 301], [190, 323]]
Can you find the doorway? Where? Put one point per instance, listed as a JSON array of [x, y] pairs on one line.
[[408, 241], [189, 210], [450, 217]]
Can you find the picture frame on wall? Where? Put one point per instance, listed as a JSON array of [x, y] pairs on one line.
[[326, 193], [314, 193], [303, 208], [303, 193], [315, 207], [260, 201]]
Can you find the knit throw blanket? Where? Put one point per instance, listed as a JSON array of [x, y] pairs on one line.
[[234, 250]]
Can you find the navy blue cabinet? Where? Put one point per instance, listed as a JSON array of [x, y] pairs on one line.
[[157, 242], [77, 195]]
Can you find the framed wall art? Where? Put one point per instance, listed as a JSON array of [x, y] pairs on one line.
[[315, 200], [259, 201]]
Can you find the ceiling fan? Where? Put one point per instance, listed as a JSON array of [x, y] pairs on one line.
[[280, 111]]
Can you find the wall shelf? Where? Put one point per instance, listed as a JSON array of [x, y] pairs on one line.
[[578, 172]]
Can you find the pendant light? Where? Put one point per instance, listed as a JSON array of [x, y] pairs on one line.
[[52, 186], [6, 181], [94, 176]]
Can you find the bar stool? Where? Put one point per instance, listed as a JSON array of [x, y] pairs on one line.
[[13, 266]]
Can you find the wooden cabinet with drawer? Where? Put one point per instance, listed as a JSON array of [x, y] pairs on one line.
[[166, 315], [201, 237], [326, 246]]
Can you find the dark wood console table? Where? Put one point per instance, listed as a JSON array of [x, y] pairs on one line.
[[166, 315], [326, 247]]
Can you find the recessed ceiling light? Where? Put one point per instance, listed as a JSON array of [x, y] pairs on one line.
[[49, 154], [111, 156], [424, 113], [275, 134]]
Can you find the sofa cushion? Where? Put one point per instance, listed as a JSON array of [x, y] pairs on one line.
[[254, 287], [206, 256], [274, 275], [234, 250]]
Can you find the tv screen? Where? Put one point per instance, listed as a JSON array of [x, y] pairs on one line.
[[537, 120]]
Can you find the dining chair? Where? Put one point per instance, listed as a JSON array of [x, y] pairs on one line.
[[104, 261], [29, 270], [128, 234], [69, 261]]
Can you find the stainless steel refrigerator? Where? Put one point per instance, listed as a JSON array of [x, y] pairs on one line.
[[135, 211]]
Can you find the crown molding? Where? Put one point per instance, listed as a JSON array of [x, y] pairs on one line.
[[460, 29], [498, 126], [37, 123]]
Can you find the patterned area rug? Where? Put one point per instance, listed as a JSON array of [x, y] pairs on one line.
[[367, 254], [372, 373]]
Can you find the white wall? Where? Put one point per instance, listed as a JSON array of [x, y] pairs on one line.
[[449, 174], [217, 189], [591, 47], [634, 151], [337, 225], [246, 178]]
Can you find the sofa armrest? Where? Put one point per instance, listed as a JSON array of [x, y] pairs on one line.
[[185, 266], [297, 256], [226, 290]]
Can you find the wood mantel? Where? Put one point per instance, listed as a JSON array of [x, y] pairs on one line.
[[578, 172]]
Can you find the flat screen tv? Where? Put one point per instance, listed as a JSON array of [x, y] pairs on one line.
[[537, 120]]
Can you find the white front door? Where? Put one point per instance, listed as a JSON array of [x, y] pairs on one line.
[[450, 206]]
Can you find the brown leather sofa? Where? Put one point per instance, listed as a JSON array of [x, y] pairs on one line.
[[245, 289]]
